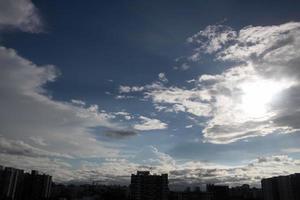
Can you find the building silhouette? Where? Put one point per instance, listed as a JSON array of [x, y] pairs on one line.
[[281, 187], [17, 185], [245, 192], [219, 192], [188, 194], [145, 186], [89, 192], [10, 183]]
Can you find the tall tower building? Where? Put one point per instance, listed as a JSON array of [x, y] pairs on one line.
[[281, 187], [145, 186], [37, 186], [10, 182], [17, 185]]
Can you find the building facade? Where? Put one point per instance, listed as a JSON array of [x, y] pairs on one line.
[[17, 185], [145, 186], [281, 187]]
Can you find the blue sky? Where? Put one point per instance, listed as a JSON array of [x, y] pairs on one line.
[[206, 91]]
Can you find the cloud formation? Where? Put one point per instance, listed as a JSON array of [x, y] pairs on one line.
[[162, 77], [194, 173], [257, 95], [197, 173], [38, 132], [20, 14], [210, 40], [18, 147], [30, 119], [148, 124]]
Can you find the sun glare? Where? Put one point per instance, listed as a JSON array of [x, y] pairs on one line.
[[258, 95]]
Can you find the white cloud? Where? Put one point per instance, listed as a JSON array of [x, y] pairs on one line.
[[121, 97], [123, 113], [19, 147], [78, 102], [211, 40], [181, 100], [20, 14], [137, 88], [117, 170], [251, 173], [258, 96], [126, 115], [39, 141], [147, 124], [192, 172], [182, 66], [150, 156], [127, 89], [291, 150], [264, 43], [110, 170], [162, 77], [124, 89], [28, 114]]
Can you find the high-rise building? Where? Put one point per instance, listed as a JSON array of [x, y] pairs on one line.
[[270, 190], [17, 185], [281, 187], [284, 188], [145, 186], [37, 186], [295, 184], [10, 182]]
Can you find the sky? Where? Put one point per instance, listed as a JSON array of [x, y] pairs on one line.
[[206, 91]]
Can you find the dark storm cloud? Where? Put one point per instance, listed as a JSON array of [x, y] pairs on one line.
[[119, 134]]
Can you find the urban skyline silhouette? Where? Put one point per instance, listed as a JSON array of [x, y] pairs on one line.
[[15, 184]]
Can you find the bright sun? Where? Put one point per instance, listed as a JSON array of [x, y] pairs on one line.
[[257, 96]]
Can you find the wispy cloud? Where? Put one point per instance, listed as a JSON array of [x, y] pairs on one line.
[[118, 170], [147, 124], [162, 77], [29, 114], [20, 14], [256, 96], [291, 150], [210, 40]]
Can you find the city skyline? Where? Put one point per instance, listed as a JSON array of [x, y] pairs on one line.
[[15, 184], [204, 91]]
